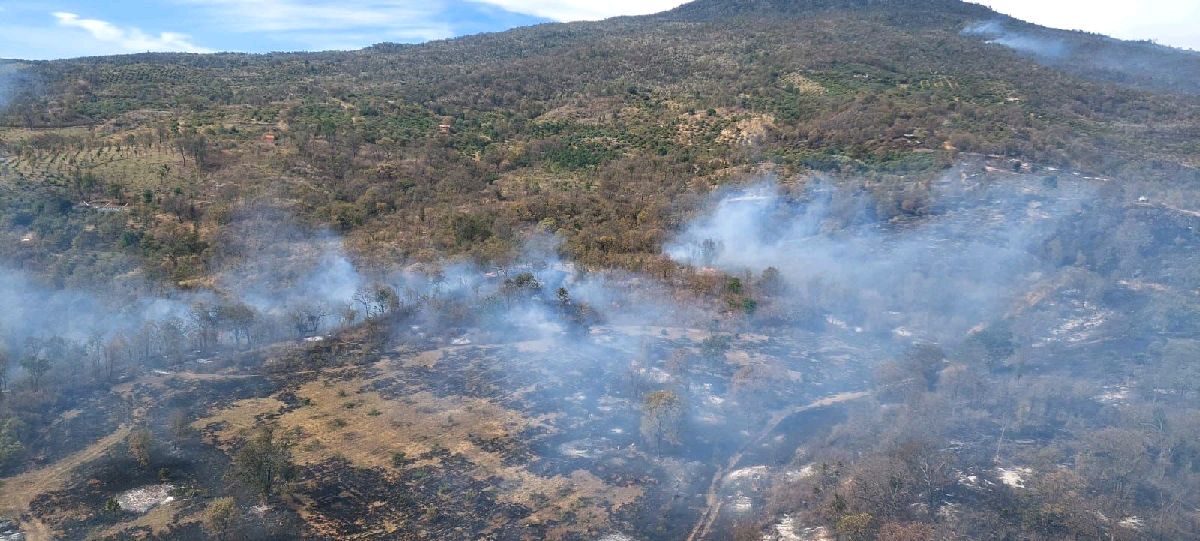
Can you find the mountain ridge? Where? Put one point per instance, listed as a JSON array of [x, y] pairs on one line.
[[713, 9]]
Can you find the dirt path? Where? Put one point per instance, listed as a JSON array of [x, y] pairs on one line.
[[712, 508], [19, 491]]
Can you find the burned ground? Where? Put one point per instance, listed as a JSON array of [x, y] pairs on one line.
[[524, 440]]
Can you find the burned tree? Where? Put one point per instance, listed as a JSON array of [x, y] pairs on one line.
[[307, 318]]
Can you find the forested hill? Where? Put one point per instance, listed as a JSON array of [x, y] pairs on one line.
[[629, 118]]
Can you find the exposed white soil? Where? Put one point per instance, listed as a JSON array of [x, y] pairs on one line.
[[140, 500], [1014, 477]]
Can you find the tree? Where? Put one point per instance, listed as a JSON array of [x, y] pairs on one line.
[[218, 516], [264, 462], [4, 360], [771, 282], [930, 469], [10, 446], [36, 365], [173, 339], [306, 318], [854, 527], [996, 343], [709, 251], [524, 284], [714, 347], [377, 300], [662, 415], [140, 443], [240, 319], [207, 321], [925, 361]]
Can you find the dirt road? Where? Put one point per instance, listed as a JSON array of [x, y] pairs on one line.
[[712, 508]]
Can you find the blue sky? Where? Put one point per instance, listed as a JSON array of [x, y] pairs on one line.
[[41, 29]]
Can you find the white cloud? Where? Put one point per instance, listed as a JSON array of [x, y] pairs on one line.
[[387, 19], [130, 40], [584, 10]]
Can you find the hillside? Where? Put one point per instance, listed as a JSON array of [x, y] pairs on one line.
[[539, 119], [762, 269]]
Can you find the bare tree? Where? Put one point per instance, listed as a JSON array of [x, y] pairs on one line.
[[112, 354], [307, 318]]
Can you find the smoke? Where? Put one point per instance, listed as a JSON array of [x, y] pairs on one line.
[[272, 272], [1041, 47], [11, 77], [1138, 64], [272, 263], [540, 296], [938, 276], [34, 311]]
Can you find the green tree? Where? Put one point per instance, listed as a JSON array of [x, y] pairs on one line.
[[10, 446], [264, 462], [218, 517]]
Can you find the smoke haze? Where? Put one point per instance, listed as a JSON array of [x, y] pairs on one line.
[[938, 276]]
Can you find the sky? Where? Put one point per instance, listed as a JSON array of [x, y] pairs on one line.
[[44, 29]]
